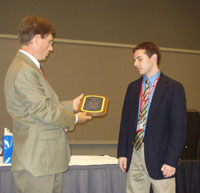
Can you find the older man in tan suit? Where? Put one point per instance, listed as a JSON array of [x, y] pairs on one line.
[[41, 151]]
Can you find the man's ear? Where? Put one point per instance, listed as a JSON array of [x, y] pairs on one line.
[[154, 58], [36, 40]]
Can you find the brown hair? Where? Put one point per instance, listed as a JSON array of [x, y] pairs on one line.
[[150, 49], [31, 26]]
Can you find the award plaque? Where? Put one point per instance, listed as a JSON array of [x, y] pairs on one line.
[[94, 105]]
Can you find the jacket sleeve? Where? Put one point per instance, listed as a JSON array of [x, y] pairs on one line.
[[124, 125], [177, 125], [67, 105], [40, 102]]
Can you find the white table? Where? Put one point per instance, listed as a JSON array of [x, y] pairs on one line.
[[86, 174]]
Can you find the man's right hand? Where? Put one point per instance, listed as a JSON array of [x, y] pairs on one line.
[[82, 117], [122, 161]]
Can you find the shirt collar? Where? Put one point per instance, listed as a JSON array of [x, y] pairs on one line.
[[35, 61], [152, 79]]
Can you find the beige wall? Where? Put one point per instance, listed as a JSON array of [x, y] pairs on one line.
[[93, 69], [104, 70]]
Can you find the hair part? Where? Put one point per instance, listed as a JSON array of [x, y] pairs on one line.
[[150, 49], [33, 25]]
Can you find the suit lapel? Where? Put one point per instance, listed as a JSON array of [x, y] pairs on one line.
[[48, 89], [158, 95], [136, 95], [28, 61]]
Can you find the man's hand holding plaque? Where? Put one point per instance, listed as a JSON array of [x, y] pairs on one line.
[[82, 117], [94, 105]]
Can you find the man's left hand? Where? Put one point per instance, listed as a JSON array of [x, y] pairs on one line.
[[76, 102], [168, 171]]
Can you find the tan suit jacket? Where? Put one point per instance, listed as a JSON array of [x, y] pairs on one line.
[[40, 144]]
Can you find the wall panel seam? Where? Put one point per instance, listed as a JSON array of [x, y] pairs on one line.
[[106, 44]]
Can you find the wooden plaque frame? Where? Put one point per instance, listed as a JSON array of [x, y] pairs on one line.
[[94, 105]]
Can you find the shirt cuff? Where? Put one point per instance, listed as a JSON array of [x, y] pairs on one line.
[[76, 116]]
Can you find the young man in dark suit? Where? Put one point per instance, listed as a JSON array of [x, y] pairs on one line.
[[41, 151], [153, 126]]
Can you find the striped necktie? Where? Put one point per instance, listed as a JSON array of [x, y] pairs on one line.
[[142, 119]]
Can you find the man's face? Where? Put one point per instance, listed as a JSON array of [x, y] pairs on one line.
[[45, 45], [143, 63]]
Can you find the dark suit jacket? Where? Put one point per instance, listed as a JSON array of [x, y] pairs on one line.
[[166, 125], [40, 144]]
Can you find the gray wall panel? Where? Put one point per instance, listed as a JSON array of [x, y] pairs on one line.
[[173, 24]]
